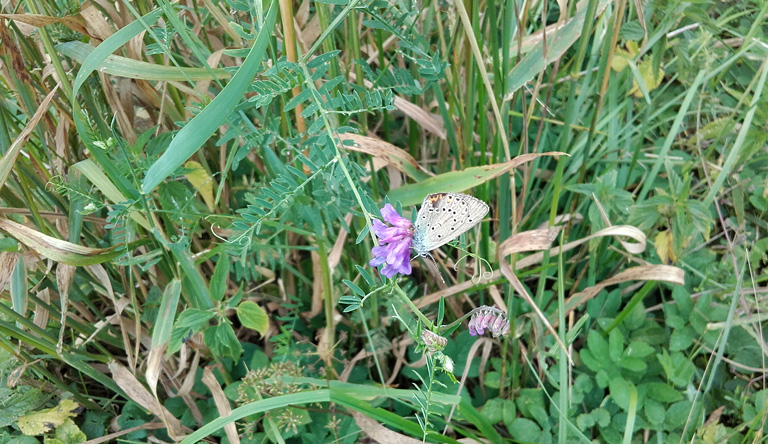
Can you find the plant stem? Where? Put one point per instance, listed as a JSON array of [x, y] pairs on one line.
[[416, 311], [328, 302]]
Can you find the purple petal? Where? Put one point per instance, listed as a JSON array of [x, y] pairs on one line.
[[376, 261], [497, 324], [400, 252], [487, 319], [380, 251], [389, 212], [402, 223], [392, 234], [405, 268], [378, 227], [393, 217], [388, 270]]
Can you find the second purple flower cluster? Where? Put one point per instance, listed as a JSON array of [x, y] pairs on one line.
[[489, 318]]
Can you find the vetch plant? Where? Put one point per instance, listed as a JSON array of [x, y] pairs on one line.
[[395, 242]]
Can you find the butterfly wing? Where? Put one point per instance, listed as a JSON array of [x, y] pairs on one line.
[[445, 216]]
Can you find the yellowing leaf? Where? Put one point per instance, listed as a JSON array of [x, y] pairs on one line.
[[56, 249], [201, 181], [621, 55], [713, 433], [665, 246], [253, 317], [652, 80], [619, 62], [74, 23], [44, 421]]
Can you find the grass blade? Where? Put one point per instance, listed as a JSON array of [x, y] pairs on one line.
[[198, 130]]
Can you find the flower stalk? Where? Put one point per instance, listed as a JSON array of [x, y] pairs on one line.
[[424, 320]]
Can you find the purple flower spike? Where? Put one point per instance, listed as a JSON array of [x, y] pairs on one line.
[[394, 250], [488, 318]]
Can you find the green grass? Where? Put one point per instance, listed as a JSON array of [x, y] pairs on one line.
[[190, 187]]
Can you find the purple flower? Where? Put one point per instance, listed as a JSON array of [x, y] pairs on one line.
[[488, 318], [394, 250]]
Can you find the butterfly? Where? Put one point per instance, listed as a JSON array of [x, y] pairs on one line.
[[443, 217]]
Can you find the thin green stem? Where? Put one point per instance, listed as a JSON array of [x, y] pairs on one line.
[[404, 297], [328, 301], [374, 354], [563, 362]]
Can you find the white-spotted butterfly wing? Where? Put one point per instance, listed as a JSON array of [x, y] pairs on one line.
[[443, 217]]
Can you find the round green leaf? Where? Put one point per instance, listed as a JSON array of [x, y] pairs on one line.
[[493, 410], [525, 430]]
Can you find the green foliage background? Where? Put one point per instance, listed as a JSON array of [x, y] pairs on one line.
[[187, 190]]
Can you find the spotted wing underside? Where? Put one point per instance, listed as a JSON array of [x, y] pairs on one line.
[[444, 217]]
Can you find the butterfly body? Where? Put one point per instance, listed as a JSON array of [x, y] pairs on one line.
[[443, 217]]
